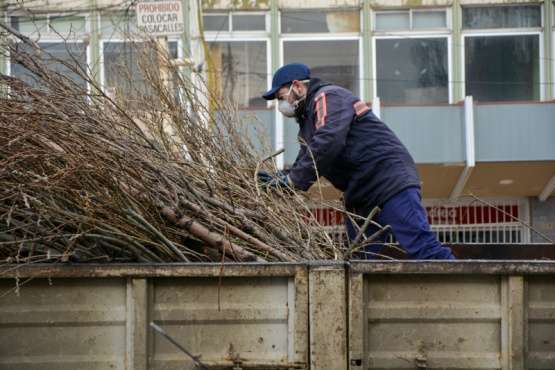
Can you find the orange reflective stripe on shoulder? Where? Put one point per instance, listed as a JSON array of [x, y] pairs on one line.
[[360, 107], [321, 110]]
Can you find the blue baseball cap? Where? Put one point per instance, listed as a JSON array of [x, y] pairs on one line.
[[285, 75]]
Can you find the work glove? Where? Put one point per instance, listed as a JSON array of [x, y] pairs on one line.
[[274, 180], [280, 182], [264, 176]]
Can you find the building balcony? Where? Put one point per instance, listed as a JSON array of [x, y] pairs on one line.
[[488, 150]]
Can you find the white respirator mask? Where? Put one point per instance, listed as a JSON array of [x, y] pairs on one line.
[[286, 108]]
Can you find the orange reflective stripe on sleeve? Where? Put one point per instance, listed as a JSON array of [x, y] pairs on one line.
[[360, 107], [321, 110]]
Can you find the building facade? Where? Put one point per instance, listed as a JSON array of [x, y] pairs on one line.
[[468, 85]]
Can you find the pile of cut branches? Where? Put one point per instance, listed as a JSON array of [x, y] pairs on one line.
[[146, 173]]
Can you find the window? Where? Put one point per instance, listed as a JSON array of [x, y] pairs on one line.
[[215, 22], [322, 21], [412, 70], [411, 20], [57, 26], [59, 57], [61, 42], [119, 23], [411, 67], [505, 65], [122, 55], [218, 22], [336, 61], [240, 69], [238, 51], [122, 60], [334, 56], [329, 43], [501, 17]]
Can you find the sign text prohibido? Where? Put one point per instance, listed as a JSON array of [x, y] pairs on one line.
[[160, 18]]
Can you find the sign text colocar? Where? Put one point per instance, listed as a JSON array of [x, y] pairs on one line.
[[160, 18]]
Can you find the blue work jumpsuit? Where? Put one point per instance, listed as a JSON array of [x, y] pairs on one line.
[[343, 141]]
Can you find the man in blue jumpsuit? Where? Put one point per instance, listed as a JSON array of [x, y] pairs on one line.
[[349, 146]]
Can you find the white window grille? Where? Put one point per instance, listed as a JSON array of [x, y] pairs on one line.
[[467, 220], [472, 220]]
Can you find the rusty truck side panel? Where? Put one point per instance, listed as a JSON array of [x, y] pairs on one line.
[[96, 317], [320, 315], [470, 315]]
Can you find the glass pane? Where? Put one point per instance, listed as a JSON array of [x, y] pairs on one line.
[[319, 21], [66, 25], [391, 21], [55, 54], [246, 22], [29, 26], [429, 20], [173, 49], [412, 71], [121, 67], [114, 23], [501, 17], [241, 76], [334, 61], [122, 64], [343, 21], [212, 22], [502, 68]]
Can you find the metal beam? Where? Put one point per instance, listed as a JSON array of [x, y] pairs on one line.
[[470, 147], [547, 190]]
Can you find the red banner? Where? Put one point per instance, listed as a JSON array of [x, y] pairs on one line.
[[471, 215], [324, 216]]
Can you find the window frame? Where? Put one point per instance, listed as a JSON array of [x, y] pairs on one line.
[[495, 32], [53, 37], [102, 41], [376, 12], [316, 34], [243, 38], [50, 35], [343, 36], [502, 5], [230, 32], [552, 56], [229, 35], [418, 33], [116, 36], [281, 125]]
